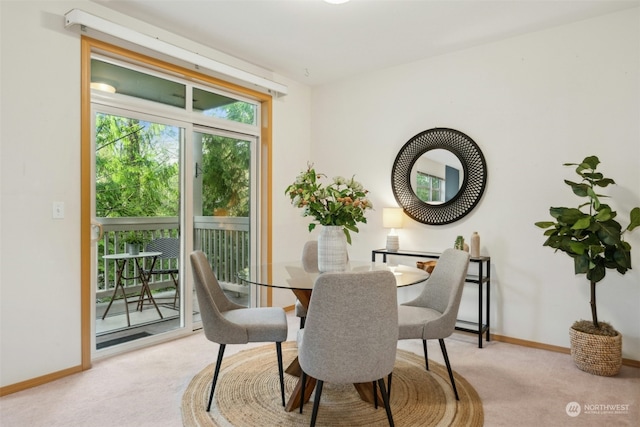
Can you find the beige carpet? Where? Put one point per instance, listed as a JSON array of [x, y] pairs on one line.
[[248, 394], [519, 386]]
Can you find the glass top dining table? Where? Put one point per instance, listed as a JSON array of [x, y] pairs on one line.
[[292, 275]]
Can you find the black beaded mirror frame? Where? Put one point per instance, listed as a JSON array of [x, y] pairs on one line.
[[473, 184]]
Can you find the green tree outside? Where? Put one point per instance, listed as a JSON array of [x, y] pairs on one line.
[[138, 175], [225, 186], [137, 169]]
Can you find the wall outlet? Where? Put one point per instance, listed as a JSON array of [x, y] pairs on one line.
[[58, 210]]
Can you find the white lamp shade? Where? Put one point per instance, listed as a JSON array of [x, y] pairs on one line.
[[392, 217]]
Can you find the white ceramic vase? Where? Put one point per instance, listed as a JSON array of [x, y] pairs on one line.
[[332, 249], [475, 245]]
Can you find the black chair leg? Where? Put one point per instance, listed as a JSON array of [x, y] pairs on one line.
[[303, 381], [302, 319], [215, 374], [389, 384], [280, 371], [446, 360], [426, 357], [316, 403], [375, 395], [385, 398], [177, 294]]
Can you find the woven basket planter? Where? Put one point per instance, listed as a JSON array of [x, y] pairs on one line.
[[596, 354]]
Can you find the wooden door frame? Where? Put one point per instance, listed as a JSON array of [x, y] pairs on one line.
[[90, 45]]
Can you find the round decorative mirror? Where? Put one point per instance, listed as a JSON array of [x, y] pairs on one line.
[[439, 176]]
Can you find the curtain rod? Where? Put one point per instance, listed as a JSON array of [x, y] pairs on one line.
[[84, 19]]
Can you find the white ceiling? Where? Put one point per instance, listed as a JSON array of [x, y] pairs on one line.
[[314, 42]]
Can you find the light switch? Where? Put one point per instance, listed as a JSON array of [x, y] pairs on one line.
[[58, 210]]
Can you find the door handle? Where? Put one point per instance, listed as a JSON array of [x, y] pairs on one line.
[[96, 231]]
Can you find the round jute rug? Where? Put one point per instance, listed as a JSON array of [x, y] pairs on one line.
[[248, 395]]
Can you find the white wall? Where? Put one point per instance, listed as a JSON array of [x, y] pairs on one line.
[[40, 137], [291, 139], [531, 103], [40, 163]]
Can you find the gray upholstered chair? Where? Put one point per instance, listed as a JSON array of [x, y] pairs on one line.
[[310, 265], [226, 322], [362, 307], [167, 263], [432, 315]]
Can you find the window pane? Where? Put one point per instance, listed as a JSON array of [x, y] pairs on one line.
[[222, 191], [137, 170], [137, 190], [422, 186], [429, 188], [134, 83], [215, 105]]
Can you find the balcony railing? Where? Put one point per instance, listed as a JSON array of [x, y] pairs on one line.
[[225, 240]]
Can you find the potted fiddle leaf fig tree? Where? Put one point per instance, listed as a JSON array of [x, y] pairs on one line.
[[593, 238]]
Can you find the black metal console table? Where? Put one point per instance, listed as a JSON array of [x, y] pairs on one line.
[[482, 279]]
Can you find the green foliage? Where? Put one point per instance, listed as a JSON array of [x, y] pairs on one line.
[[134, 238], [343, 202], [137, 167], [137, 170], [240, 111], [593, 238], [225, 184]]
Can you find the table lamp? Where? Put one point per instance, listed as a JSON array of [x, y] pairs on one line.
[[392, 218]]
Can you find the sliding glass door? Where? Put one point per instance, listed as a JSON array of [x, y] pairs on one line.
[[223, 206], [137, 194], [174, 165]]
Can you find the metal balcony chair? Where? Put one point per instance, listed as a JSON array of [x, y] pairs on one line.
[[170, 248], [432, 315], [362, 307], [225, 322]]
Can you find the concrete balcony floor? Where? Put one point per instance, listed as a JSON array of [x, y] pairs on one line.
[[113, 330]]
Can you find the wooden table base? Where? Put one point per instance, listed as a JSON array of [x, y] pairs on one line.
[[365, 390]]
